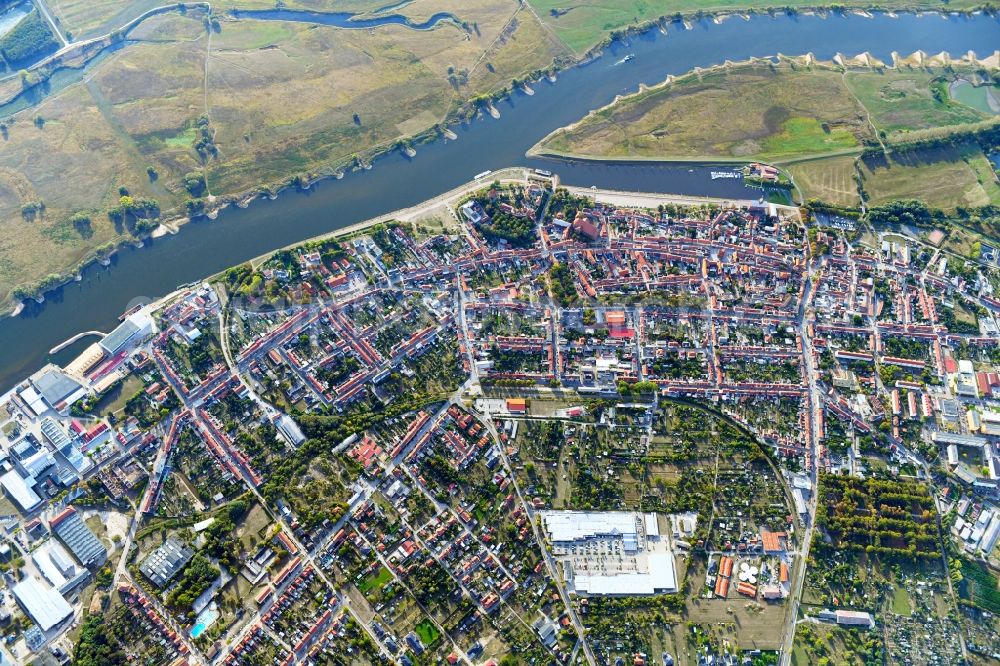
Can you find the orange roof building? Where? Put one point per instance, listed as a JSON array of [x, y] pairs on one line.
[[517, 405]]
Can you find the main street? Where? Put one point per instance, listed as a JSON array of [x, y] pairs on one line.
[[803, 319]]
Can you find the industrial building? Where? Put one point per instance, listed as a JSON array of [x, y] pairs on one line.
[[129, 331], [52, 387], [21, 491], [165, 562], [45, 606], [854, 618], [80, 541], [611, 553]]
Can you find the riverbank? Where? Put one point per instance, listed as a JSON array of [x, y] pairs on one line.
[[443, 204], [505, 175], [589, 36], [396, 182], [857, 114], [265, 153], [485, 106]]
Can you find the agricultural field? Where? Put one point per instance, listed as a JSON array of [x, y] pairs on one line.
[[943, 177], [83, 19], [30, 39]]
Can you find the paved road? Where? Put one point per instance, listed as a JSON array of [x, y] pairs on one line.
[[815, 405], [550, 563], [44, 11]]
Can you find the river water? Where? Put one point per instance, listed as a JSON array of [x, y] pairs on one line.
[[341, 19], [205, 247]]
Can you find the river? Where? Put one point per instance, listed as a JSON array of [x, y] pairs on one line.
[[205, 247], [341, 19]]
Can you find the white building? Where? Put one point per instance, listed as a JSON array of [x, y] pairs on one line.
[[611, 553], [45, 606]]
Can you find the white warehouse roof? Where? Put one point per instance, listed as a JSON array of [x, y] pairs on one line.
[[660, 578], [565, 526], [20, 490], [45, 605]]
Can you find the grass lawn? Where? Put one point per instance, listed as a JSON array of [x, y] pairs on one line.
[[114, 400], [901, 601], [428, 633], [903, 100], [830, 179], [253, 527], [959, 241], [807, 135], [750, 627], [943, 177], [375, 581]]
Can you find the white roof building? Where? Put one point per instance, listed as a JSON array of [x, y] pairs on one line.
[[990, 536], [855, 618], [661, 578], [648, 567], [44, 605], [569, 526], [21, 490]]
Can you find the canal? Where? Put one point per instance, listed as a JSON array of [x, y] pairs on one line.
[[206, 247]]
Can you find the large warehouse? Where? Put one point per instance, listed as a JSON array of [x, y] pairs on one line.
[[611, 553], [83, 543], [44, 605]]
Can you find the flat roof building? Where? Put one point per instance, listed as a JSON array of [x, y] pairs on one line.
[[855, 618], [611, 553], [57, 389], [45, 606], [21, 490], [135, 327], [54, 563]]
